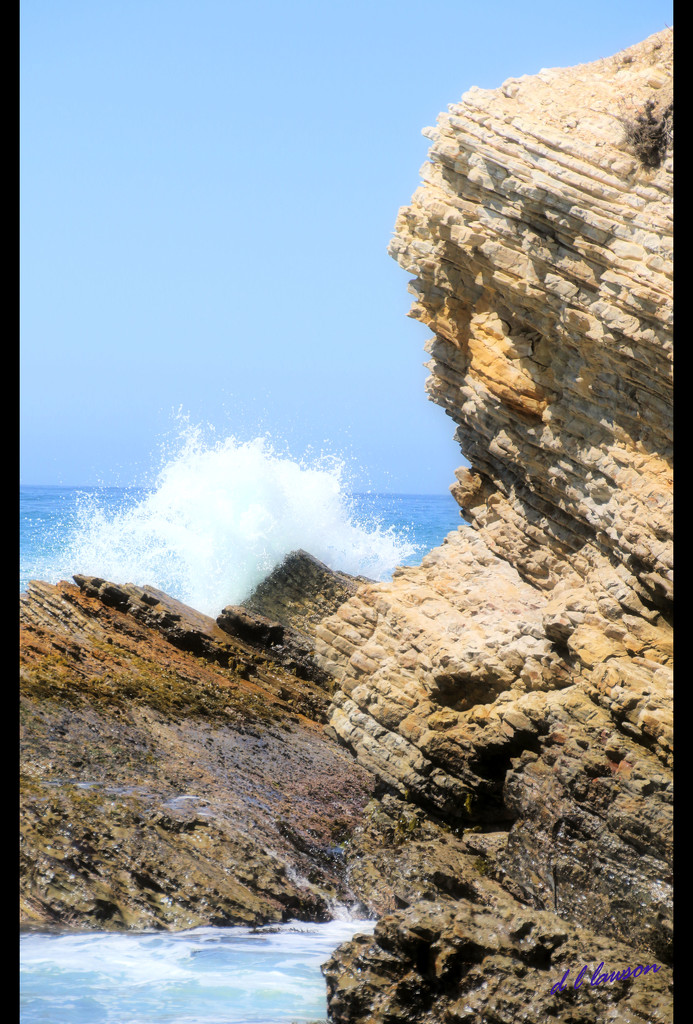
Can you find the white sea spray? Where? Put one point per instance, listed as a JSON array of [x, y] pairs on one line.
[[221, 515]]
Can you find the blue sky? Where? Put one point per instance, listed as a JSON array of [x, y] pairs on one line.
[[207, 193]]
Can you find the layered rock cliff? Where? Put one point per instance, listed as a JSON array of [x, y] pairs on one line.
[[518, 681]]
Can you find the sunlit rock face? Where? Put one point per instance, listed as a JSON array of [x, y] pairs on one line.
[[541, 249], [520, 677]]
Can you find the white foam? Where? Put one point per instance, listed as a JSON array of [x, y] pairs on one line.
[[200, 976], [222, 515]]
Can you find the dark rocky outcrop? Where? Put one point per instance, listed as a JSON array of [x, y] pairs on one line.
[[254, 629], [285, 609], [301, 591], [171, 775]]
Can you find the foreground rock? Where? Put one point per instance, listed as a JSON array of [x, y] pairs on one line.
[[172, 775], [519, 681], [471, 963]]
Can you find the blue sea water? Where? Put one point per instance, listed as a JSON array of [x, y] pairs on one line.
[[202, 976], [217, 519], [210, 550]]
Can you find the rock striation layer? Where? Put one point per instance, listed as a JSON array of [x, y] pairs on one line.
[[519, 681]]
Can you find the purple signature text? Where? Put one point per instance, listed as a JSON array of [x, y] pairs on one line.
[[599, 979]]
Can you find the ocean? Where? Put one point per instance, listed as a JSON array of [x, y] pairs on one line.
[[239, 975], [214, 523], [218, 518]]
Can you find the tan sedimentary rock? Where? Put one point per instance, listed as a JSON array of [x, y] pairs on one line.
[[522, 673], [542, 254]]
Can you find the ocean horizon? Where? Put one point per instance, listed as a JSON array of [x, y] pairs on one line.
[[211, 549]]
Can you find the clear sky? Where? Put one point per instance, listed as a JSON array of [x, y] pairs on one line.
[[208, 189]]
